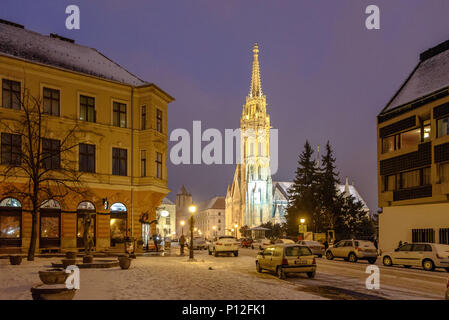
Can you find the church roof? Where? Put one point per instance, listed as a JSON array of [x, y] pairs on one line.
[[214, 203], [167, 201], [430, 76], [284, 186], [56, 51]]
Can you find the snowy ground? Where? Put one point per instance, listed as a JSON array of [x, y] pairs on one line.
[[161, 278], [230, 278]]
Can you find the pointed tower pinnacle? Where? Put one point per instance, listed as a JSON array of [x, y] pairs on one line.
[[318, 159], [347, 187], [256, 86]]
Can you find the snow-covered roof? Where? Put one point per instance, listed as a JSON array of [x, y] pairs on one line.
[[167, 201], [214, 203], [431, 75], [340, 187], [37, 48], [353, 192]]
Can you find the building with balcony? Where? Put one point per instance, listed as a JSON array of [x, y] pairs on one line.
[[413, 156], [122, 151]]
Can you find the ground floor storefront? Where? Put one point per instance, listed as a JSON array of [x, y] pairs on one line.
[[114, 216], [413, 223]]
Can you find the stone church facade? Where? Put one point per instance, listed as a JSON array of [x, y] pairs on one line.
[[249, 199]]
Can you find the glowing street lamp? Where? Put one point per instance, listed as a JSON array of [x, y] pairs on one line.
[[182, 226], [215, 230], [192, 210], [235, 227]]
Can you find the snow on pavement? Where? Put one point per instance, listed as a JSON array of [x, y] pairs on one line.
[[160, 278]]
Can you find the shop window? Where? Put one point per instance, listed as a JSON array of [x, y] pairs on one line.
[[10, 222]]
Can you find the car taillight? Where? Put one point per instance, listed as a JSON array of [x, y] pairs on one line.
[[218, 243], [284, 261], [313, 261]]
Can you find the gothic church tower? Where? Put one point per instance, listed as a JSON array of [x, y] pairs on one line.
[[249, 201]]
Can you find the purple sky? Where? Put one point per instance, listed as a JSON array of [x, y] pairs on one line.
[[324, 74]]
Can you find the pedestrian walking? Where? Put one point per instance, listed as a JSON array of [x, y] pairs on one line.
[[182, 243]]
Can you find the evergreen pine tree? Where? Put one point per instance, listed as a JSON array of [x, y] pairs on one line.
[[303, 193], [354, 222], [329, 202]]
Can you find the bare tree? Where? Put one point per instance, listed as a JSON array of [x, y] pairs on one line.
[[38, 168]]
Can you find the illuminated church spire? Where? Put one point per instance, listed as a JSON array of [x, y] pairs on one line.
[[256, 86]]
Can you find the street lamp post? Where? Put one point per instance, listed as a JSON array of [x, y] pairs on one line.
[[192, 210], [302, 221], [235, 228], [182, 226], [215, 230]]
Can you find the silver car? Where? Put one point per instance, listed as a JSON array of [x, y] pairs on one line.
[[426, 255], [316, 247], [353, 250]]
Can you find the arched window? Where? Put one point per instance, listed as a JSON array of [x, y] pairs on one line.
[[10, 223], [10, 202], [86, 205], [118, 206], [118, 223], [84, 209], [50, 204], [50, 224]]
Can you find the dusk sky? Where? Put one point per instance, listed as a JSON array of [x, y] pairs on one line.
[[326, 77]]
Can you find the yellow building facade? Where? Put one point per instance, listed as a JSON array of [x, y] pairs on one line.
[[122, 140], [413, 156]]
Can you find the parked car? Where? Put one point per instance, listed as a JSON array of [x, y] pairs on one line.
[[284, 241], [224, 244], [426, 255], [316, 247], [246, 242], [447, 291], [199, 243], [261, 243], [353, 250], [285, 259]]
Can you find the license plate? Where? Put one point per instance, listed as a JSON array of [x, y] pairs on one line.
[[228, 245], [300, 262]]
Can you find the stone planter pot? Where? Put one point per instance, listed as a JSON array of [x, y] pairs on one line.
[[70, 255], [68, 262], [52, 292], [88, 259], [53, 276], [15, 260], [124, 262]]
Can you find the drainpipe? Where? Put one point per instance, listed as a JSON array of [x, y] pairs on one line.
[[132, 160]]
